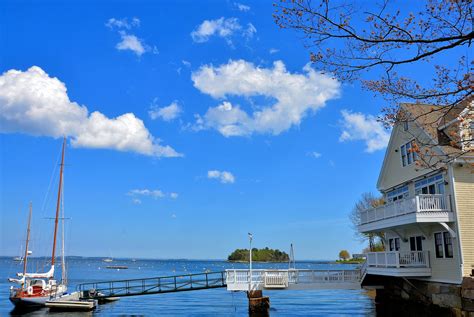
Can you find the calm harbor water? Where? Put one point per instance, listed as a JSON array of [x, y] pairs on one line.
[[217, 302]]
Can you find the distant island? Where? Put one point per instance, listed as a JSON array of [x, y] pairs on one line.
[[258, 255]]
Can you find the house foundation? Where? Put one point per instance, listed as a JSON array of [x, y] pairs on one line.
[[423, 298]]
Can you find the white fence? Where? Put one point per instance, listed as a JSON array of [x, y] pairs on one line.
[[419, 203], [239, 279], [397, 259]]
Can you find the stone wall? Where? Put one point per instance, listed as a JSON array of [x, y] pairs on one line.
[[418, 298]]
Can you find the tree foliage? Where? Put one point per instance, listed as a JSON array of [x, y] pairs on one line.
[[262, 255], [380, 43], [344, 255]]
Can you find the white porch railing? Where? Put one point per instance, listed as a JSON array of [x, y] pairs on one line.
[[398, 259], [419, 203], [285, 278]]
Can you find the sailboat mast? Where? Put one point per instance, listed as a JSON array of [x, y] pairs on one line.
[[58, 205], [25, 259], [63, 259]]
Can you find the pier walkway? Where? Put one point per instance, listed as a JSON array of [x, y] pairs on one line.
[[239, 280], [154, 285], [234, 280]]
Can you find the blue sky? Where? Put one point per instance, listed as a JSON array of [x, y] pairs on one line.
[[189, 124]]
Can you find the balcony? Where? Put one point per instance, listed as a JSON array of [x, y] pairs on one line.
[[418, 209], [399, 263]]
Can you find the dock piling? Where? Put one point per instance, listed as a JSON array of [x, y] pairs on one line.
[[259, 305]]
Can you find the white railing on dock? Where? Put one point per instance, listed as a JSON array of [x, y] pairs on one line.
[[419, 203], [239, 278], [397, 259]]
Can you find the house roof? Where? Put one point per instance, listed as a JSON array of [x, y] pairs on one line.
[[432, 119]]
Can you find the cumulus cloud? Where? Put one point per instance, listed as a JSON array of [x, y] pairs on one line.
[[168, 113], [153, 193], [361, 127], [296, 95], [224, 28], [223, 176], [132, 43], [129, 41], [34, 103], [242, 7]]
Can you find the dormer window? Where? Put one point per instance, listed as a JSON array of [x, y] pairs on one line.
[[408, 153]]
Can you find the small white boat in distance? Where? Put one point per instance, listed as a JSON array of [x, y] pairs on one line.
[[108, 260]]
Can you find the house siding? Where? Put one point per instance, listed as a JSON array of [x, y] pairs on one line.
[[464, 188], [445, 270], [393, 173]]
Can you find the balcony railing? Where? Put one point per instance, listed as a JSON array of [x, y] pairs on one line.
[[419, 203], [399, 259]]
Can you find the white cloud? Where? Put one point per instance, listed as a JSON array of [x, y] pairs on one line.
[[225, 28], [273, 50], [223, 176], [130, 41], [136, 201], [174, 195], [173, 216], [250, 31], [242, 7], [358, 126], [154, 193], [315, 154], [168, 113], [123, 23], [34, 103], [296, 95]]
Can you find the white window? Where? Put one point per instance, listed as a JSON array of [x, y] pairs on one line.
[[430, 185], [397, 194], [443, 245], [394, 244], [405, 125], [416, 243], [404, 155], [408, 153]]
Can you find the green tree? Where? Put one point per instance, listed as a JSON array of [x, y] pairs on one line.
[[344, 255], [263, 255]]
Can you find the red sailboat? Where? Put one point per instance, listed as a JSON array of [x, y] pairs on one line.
[[36, 288]]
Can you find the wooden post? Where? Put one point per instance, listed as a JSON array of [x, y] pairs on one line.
[[259, 305]]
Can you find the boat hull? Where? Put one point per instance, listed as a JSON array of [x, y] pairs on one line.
[[25, 302]]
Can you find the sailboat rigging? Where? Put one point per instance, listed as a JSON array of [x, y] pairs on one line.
[[36, 288]]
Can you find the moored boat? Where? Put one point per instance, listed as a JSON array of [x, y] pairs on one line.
[[36, 288]]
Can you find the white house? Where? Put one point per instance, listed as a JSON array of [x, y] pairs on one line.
[[428, 216]]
